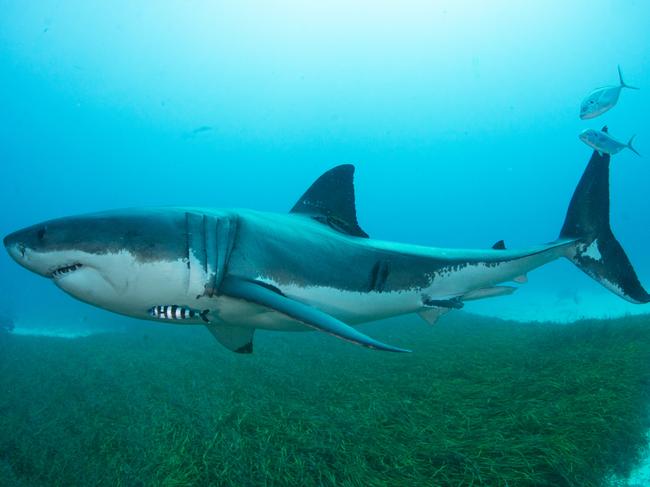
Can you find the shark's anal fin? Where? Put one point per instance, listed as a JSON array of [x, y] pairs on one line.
[[257, 293], [236, 338]]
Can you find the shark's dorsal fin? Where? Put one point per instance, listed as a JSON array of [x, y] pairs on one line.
[[500, 245], [330, 200]]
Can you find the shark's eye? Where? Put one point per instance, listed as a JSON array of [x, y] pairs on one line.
[[41, 233]]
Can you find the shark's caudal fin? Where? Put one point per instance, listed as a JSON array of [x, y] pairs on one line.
[[623, 85], [597, 252]]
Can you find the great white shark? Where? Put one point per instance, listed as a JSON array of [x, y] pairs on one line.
[[313, 268]]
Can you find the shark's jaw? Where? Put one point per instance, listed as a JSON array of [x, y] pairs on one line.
[[116, 281], [62, 271], [88, 277], [125, 261]]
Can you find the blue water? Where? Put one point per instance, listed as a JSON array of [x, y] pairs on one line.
[[461, 118]]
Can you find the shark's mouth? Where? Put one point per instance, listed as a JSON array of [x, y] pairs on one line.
[[64, 270]]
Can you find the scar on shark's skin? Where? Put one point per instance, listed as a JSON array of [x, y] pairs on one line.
[[315, 268]]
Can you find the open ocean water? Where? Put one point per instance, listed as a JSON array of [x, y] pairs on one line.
[[461, 118]]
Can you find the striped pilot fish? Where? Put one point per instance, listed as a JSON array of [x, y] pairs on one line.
[[175, 312]]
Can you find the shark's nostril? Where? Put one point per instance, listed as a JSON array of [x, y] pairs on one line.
[[13, 244], [7, 241]]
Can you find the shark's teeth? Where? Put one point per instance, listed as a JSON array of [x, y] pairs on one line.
[[61, 271]]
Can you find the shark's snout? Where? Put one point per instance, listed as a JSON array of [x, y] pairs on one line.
[[8, 240], [14, 245], [21, 249]]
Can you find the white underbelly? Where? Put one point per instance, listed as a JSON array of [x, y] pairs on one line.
[[135, 287], [354, 307]]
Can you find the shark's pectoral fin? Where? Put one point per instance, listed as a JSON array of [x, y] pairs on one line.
[[236, 338], [258, 293]]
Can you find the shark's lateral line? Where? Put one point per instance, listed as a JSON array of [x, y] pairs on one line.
[[314, 268]]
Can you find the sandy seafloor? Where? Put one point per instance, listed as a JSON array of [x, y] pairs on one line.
[[78, 320], [540, 306]]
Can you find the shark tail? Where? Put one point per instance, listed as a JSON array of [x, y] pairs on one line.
[[629, 146], [596, 251], [623, 85]]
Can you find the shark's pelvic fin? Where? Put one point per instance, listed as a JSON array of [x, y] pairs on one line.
[[261, 294], [500, 245], [431, 315], [236, 338], [522, 279], [330, 200]]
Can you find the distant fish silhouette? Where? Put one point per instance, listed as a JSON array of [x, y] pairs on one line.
[[200, 130], [197, 131], [602, 99]]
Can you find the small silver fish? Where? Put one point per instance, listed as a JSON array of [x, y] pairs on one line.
[[604, 143], [175, 312], [602, 99]]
